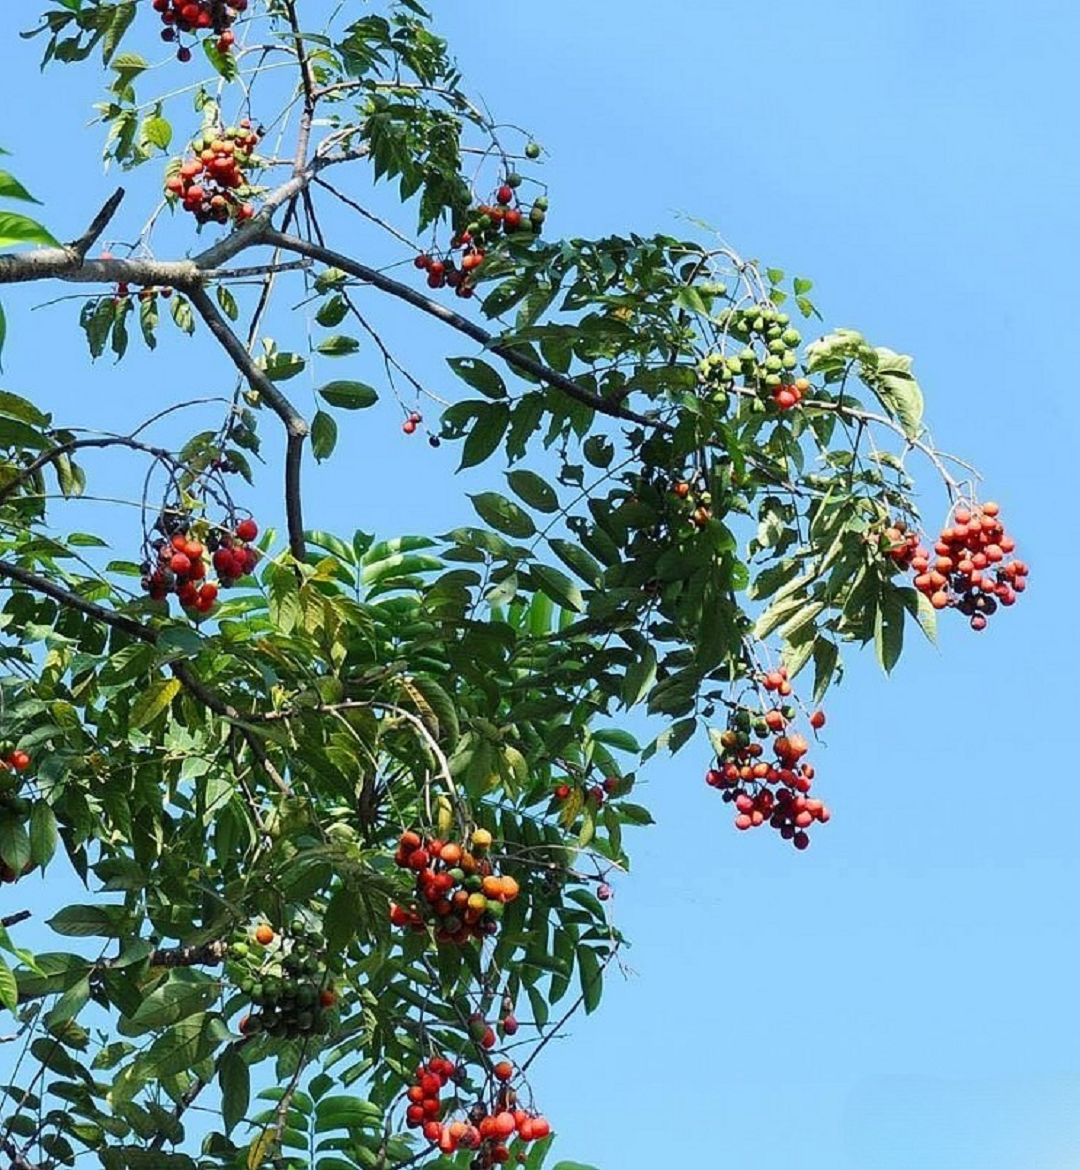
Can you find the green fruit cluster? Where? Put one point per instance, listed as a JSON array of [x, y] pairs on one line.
[[287, 981], [768, 356]]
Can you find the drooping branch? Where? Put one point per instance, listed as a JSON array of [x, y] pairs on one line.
[[67, 597], [519, 361], [296, 427], [180, 668]]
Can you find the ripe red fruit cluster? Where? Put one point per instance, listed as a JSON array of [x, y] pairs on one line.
[[457, 892], [970, 568], [210, 183], [233, 555], [412, 422], [505, 215], [194, 16], [789, 394], [901, 544], [182, 560], [487, 1131], [598, 792], [17, 761], [743, 774]]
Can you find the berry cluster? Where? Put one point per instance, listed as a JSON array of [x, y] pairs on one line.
[[212, 184], [970, 569], [902, 544], [412, 422], [505, 215], [597, 792], [696, 504], [767, 360], [486, 1129], [194, 16], [12, 762], [457, 892], [123, 289], [286, 979], [743, 774], [179, 563]]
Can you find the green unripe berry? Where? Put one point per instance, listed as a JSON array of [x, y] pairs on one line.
[[791, 338], [532, 150], [513, 179]]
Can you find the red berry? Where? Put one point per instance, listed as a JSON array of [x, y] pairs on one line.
[[247, 529]]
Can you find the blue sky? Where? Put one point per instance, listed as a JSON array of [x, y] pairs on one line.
[[901, 996]]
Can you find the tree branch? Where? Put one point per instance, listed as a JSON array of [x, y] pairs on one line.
[[18, 1161], [45, 262], [180, 667], [518, 361], [296, 427]]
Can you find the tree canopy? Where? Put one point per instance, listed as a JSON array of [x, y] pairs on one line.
[[347, 806]]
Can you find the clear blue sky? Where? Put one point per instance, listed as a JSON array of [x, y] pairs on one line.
[[901, 997]]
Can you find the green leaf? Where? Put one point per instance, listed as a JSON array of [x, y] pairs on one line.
[[182, 996], [223, 64], [324, 433], [180, 308], [338, 345], [889, 630], [826, 655], [11, 188], [577, 559], [89, 921], [491, 421], [158, 132], [479, 375], [558, 587], [599, 450], [333, 311], [534, 490], [43, 833], [227, 302], [234, 1077], [12, 406], [155, 699], [348, 395], [68, 1006], [281, 365], [503, 515], [19, 229], [9, 989], [592, 978], [897, 390], [14, 840]]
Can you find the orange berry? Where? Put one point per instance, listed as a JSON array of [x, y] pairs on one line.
[[264, 934]]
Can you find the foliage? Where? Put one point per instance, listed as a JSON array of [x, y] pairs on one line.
[[697, 509]]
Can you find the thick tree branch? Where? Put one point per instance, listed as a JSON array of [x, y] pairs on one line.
[[296, 427], [46, 262], [101, 613], [511, 356]]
